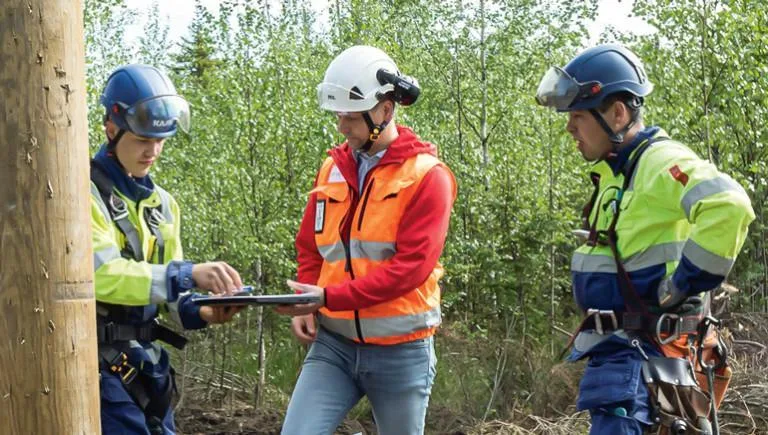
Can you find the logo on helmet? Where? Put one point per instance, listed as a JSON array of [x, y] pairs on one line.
[[331, 97], [161, 123]]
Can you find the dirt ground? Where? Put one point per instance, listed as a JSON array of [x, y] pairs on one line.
[[243, 418]]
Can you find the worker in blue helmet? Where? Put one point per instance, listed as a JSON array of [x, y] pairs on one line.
[[661, 230], [589, 79], [139, 268]]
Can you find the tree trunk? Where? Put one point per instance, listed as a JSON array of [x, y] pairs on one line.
[[48, 359], [262, 381]]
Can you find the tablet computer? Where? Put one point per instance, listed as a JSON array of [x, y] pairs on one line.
[[289, 299]]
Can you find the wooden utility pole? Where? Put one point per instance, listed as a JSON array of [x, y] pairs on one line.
[[48, 360]]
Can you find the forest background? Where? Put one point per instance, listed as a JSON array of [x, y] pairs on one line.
[[249, 70]]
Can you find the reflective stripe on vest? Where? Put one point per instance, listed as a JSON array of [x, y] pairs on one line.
[[376, 251], [383, 327]]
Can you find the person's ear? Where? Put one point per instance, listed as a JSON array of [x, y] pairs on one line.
[[620, 113], [110, 128], [389, 109]]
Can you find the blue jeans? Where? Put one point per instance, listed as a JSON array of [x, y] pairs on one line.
[[338, 372]]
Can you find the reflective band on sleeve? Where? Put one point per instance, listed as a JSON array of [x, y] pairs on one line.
[[104, 256], [706, 260], [705, 189], [159, 290]]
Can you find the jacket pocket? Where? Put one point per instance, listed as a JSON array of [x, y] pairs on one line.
[[336, 192], [331, 206], [382, 207]]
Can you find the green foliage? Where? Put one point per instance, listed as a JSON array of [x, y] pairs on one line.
[[250, 70]]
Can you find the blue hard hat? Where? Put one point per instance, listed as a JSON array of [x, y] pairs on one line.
[[141, 99], [593, 75]]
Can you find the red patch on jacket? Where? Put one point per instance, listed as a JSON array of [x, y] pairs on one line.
[[679, 175]]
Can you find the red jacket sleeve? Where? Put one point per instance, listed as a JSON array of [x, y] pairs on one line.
[[420, 240], [307, 255]]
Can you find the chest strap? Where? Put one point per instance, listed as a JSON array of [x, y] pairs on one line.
[[118, 212], [153, 217]]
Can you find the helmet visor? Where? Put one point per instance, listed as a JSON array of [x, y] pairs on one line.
[[158, 116], [559, 90]]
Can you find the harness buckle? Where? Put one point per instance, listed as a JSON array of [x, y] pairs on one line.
[[118, 208], [677, 322], [154, 217], [598, 316], [119, 365]]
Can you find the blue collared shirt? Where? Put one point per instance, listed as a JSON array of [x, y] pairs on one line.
[[365, 163]]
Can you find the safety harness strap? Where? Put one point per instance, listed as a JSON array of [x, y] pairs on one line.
[[118, 212], [153, 217], [154, 404]]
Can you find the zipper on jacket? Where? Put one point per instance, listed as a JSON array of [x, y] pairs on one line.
[[346, 233], [348, 263], [365, 202]]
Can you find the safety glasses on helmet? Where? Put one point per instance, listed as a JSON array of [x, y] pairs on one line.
[[559, 90], [157, 116], [333, 97]]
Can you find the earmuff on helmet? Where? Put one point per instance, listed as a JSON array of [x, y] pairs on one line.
[[406, 89]]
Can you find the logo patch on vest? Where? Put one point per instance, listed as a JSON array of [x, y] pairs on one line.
[[336, 176], [679, 175], [319, 216]]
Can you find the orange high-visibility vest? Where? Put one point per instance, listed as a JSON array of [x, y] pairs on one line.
[[383, 201]]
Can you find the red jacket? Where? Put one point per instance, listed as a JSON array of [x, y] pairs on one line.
[[420, 237]]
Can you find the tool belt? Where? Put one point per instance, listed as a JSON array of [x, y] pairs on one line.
[[110, 333], [665, 327]]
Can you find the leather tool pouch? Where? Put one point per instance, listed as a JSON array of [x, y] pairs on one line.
[[679, 405]]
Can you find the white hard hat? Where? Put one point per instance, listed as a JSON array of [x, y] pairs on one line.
[[350, 83]]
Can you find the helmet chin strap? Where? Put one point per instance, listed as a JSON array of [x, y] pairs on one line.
[[374, 131], [112, 146], [616, 137]]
